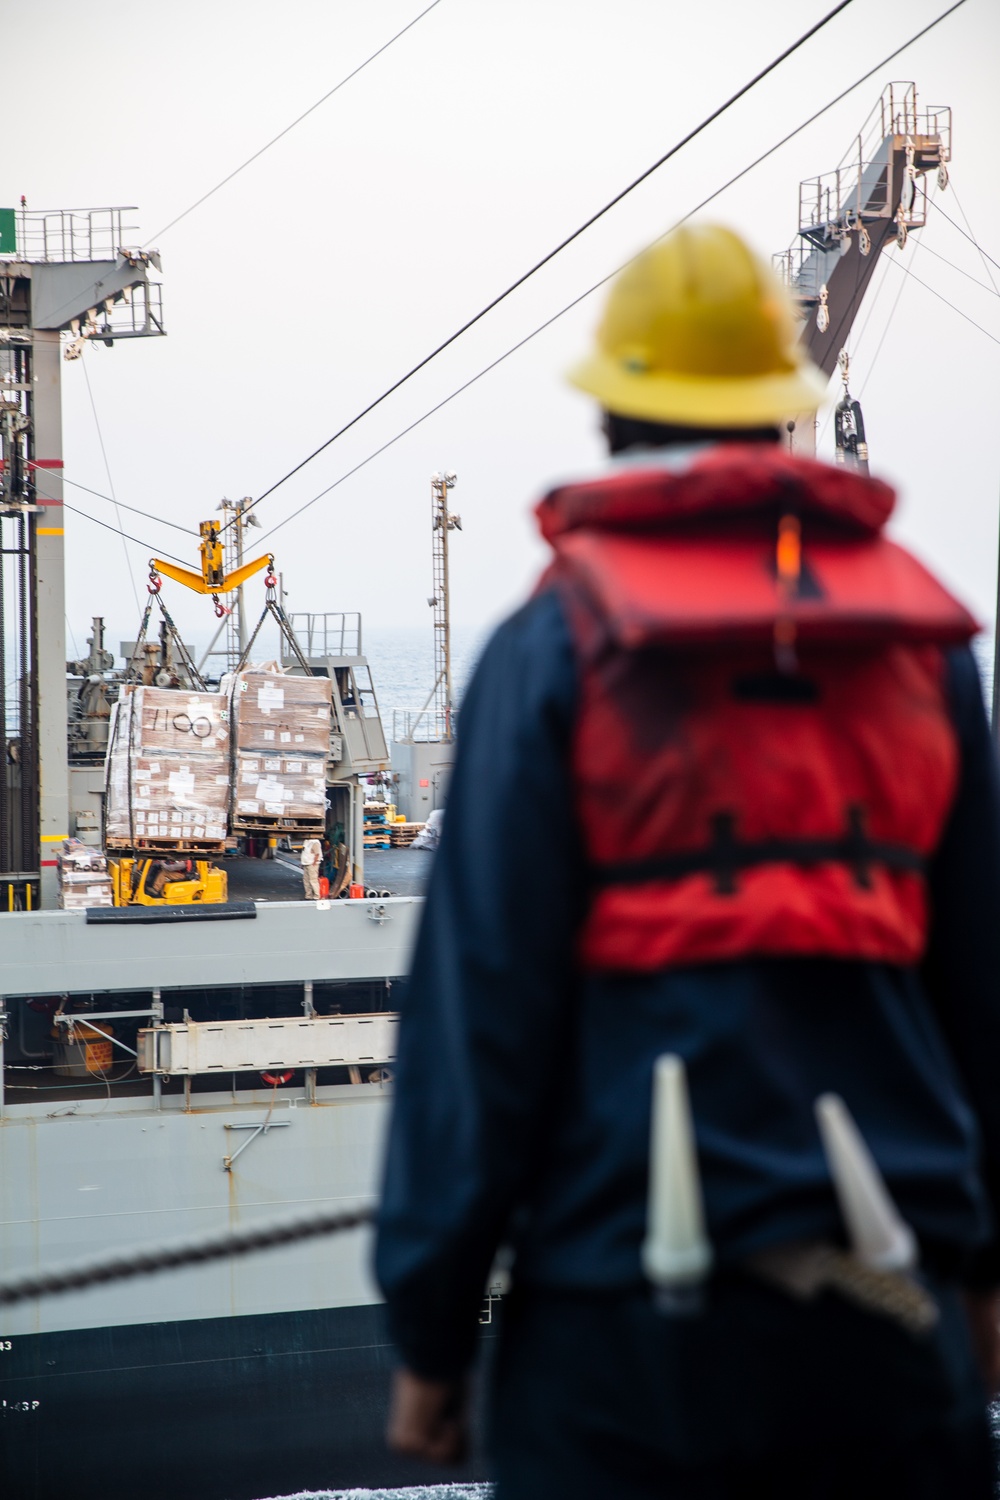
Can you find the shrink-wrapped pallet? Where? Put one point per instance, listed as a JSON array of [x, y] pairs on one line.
[[80, 897], [171, 719], [168, 769], [83, 876], [279, 786], [282, 714], [167, 797]]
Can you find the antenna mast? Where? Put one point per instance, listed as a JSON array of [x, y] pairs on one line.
[[440, 601], [236, 624]]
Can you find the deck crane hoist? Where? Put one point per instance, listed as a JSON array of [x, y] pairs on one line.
[[849, 424], [157, 881], [213, 578]]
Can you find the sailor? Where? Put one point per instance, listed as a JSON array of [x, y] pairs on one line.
[[737, 739], [312, 855]]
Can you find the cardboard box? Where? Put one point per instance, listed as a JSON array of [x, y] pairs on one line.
[[286, 715], [170, 720], [279, 786], [167, 797]]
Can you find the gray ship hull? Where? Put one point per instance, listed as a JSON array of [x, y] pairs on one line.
[[209, 1409], [241, 1378]]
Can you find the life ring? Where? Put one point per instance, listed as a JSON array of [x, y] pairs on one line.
[[276, 1080]]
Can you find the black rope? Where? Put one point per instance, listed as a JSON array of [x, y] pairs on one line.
[[298, 121], [541, 327], [148, 515], [557, 249], [223, 1246]]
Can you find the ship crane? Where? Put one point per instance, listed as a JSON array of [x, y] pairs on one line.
[[872, 201]]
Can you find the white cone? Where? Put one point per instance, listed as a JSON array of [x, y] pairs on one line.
[[676, 1251], [879, 1236]]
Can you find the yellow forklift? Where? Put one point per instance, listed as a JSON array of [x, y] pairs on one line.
[[158, 880]]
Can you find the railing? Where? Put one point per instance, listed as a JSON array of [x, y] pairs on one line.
[[798, 267], [336, 634], [63, 234], [137, 316], [422, 724], [900, 114], [861, 186]]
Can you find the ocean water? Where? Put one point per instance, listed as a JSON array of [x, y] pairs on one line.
[[418, 1492], [402, 665]]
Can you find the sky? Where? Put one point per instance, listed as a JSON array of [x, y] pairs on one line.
[[408, 200]]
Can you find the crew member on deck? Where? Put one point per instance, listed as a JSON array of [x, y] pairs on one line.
[[312, 855], [742, 736]]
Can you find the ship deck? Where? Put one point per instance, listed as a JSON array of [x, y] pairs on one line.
[[402, 871]]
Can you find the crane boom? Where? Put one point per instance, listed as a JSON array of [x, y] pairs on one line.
[[847, 217]]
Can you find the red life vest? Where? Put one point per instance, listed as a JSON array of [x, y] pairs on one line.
[[729, 809]]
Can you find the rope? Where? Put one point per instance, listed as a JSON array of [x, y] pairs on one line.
[[194, 1252]]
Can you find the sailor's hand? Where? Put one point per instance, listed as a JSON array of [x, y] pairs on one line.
[[983, 1312], [428, 1419]]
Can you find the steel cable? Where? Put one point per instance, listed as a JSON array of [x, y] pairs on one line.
[[120, 505], [927, 287], [513, 349], [281, 133], [557, 249], [111, 485], [970, 237]]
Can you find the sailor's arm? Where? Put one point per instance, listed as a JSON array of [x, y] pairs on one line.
[[963, 965], [484, 1014]]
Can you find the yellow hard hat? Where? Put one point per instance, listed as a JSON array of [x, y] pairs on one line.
[[698, 331]]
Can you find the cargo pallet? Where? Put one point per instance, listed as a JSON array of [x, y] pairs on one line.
[[269, 823], [200, 847], [401, 835]]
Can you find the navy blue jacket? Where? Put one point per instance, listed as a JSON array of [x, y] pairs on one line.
[[523, 1088]]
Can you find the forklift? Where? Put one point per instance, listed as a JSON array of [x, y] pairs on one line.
[[159, 880]]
